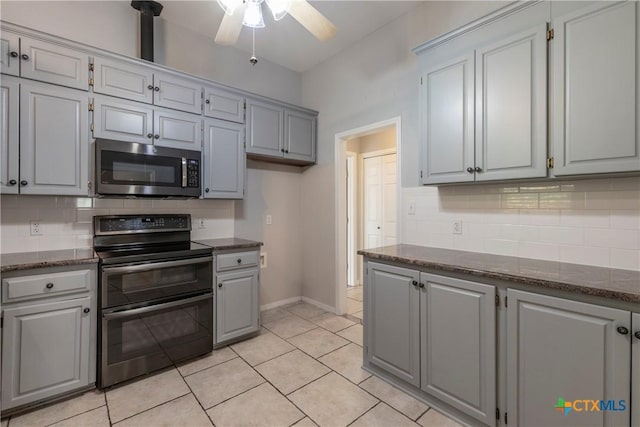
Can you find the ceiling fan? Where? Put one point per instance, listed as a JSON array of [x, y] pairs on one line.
[[249, 13]]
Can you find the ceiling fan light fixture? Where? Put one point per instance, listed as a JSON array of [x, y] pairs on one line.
[[279, 8], [229, 6], [253, 14]]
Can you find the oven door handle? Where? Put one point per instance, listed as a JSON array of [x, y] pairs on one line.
[[154, 265], [156, 307]]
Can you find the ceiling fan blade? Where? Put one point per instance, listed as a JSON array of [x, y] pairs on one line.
[[230, 27], [309, 17]]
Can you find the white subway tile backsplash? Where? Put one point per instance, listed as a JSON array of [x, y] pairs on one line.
[[591, 221]]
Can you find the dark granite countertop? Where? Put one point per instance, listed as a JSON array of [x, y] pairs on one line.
[[28, 260], [229, 243], [623, 285]]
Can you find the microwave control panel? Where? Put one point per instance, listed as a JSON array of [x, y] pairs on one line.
[[193, 173]]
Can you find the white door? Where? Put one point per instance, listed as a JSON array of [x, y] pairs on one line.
[[351, 220], [379, 182]]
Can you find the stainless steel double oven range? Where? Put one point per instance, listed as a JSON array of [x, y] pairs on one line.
[[155, 294]]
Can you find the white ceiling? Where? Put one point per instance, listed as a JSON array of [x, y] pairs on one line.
[[286, 42]]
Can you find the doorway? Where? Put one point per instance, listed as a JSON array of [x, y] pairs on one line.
[[368, 188]]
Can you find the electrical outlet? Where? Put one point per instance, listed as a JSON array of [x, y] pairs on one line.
[[263, 260], [269, 220], [201, 223], [457, 227], [36, 229], [412, 207]]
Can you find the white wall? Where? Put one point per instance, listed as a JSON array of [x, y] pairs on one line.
[[377, 79], [113, 25]]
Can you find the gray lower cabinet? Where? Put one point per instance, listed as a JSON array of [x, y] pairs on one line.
[[237, 293], [48, 334], [458, 344], [635, 368], [393, 320], [224, 160], [560, 351]]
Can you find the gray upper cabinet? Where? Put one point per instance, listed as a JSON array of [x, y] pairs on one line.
[[36, 59], [224, 160], [54, 140], [596, 100], [447, 121], [458, 340], [224, 105], [484, 109], [143, 84], [392, 334], [46, 350], [237, 305], [9, 134], [176, 92], [177, 129], [10, 49], [511, 107], [300, 136], [264, 128], [124, 120], [635, 367], [562, 349], [130, 81], [280, 134]]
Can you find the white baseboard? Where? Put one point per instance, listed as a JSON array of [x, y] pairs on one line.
[[279, 303], [325, 307]]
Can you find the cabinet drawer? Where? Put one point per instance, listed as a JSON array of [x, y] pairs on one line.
[[44, 285], [237, 260]]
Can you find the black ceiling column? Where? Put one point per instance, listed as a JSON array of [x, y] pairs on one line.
[[148, 9]]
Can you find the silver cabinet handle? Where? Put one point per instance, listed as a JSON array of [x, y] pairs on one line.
[[155, 265], [156, 307]]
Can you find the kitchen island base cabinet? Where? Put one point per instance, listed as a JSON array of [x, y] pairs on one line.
[[45, 350], [392, 320], [635, 368], [560, 351], [237, 305]]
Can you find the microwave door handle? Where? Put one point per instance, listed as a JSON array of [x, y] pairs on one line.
[[156, 307], [184, 172]]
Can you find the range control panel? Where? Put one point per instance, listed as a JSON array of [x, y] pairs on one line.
[[141, 223]]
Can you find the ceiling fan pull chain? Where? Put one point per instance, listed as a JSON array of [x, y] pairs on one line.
[[253, 58]]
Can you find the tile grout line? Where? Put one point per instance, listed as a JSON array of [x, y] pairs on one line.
[[153, 407], [365, 412], [208, 367]]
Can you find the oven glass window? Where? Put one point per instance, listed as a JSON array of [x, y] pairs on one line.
[[140, 169], [147, 282]]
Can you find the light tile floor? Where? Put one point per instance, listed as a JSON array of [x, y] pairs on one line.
[[304, 369]]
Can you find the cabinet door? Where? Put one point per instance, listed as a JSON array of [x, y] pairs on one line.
[[54, 140], [46, 350], [122, 120], [223, 105], [392, 327], [511, 107], [10, 50], [299, 136], [447, 121], [51, 63], [635, 369], [264, 129], [596, 99], [458, 341], [560, 351], [9, 134], [123, 80], [177, 93], [224, 160], [238, 305], [177, 129]]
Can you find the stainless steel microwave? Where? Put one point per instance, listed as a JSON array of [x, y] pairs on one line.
[[131, 169]]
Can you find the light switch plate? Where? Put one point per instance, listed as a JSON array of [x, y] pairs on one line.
[[269, 220], [412, 207]]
